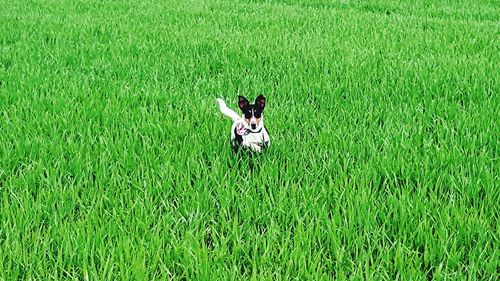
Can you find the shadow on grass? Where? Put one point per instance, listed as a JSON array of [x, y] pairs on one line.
[[247, 160]]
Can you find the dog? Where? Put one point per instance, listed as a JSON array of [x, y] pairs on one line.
[[248, 130]]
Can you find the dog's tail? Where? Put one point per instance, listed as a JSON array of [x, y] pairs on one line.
[[227, 111]]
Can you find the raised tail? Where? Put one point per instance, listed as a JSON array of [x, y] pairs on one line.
[[227, 111]]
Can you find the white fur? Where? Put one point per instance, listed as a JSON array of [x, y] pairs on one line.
[[254, 141], [227, 111]]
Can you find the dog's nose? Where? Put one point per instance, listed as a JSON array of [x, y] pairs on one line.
[[254, 126]]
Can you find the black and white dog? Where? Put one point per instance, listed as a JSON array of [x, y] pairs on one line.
[[248, 130]]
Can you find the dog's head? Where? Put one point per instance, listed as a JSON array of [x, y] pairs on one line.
[[252, 113]]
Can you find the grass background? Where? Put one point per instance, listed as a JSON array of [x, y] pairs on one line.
[[115, 161]]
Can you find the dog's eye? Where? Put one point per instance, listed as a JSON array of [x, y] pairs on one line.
[[258, 114], [248, 115]]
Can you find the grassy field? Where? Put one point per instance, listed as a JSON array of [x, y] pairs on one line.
[[115, 161]]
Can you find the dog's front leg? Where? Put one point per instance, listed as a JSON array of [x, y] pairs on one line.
[[251, 145], [255, 147]]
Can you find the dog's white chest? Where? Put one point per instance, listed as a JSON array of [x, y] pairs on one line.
[[240, 135], [254, 137]]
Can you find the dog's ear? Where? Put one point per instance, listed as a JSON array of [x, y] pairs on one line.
[[260, 101], [242, 102]]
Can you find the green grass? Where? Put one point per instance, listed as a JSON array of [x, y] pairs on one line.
[[115, 161]]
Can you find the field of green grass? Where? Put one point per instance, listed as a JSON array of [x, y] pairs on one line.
[[115, 161]]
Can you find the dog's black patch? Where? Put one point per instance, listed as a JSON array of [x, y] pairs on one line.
[[252, 110], [237, 141]]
